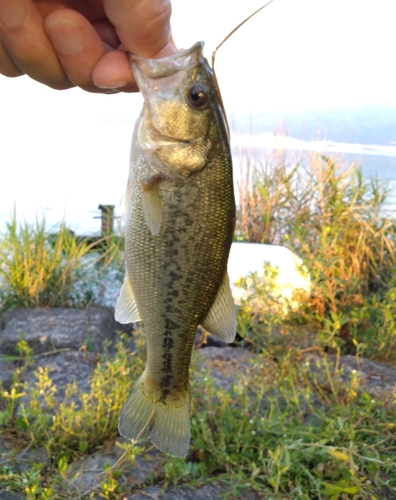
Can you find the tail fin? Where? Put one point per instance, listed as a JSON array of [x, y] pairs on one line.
[[167, 425]]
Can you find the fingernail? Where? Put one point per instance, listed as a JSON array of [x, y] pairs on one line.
[[12, 13], [112, 86], [169, 50], [66, 36]]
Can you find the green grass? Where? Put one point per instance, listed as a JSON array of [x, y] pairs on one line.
[[50, 268], [77, 426], [290, 432], [293, 434], [287, 439]]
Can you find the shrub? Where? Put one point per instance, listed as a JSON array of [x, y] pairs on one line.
[[49, 268], [337, 222]]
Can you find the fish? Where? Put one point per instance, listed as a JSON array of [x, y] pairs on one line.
[[179, 226]]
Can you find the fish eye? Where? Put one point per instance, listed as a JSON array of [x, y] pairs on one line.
[[197, 95]]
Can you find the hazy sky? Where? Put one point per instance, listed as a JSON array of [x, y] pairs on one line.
[[66, 152], [297, 53]]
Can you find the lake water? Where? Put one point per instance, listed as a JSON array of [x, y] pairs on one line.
[[373, 165], [77, 202]]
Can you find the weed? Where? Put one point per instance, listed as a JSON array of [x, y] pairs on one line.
[[305, 431], [338, 224], [288, 439], [77, 425], [50, 268]]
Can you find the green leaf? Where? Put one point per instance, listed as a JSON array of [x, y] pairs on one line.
[[62, 465], [352, 490], [21, 423], [82, 446]]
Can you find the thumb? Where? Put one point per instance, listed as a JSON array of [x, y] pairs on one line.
[[143, 26]]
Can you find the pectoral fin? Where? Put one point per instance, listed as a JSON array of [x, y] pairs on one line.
[[152, 205], [220, 321], [126, 310], [126, 201]]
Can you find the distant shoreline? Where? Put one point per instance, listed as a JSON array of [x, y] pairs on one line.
[[269, 140], [374, 160]]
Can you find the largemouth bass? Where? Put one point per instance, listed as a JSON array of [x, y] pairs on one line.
[[179, 224]]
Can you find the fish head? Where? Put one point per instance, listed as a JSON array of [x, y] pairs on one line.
[[182, 115]]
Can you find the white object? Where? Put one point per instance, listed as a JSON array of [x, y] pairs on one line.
[[289, 273]]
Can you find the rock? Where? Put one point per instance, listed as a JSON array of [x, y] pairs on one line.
[[50, 329], [9, 495], [26, 458], [64, 368], [153, 492], [226, 363], [215, 491], [376, 378], [6, 371], [205, 339], [148, 466], [289, 273], [5, 447]]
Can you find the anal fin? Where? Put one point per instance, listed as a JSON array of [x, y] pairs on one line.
[[220, 320], [126, 310]]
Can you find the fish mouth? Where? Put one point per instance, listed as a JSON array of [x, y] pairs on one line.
[[183, 60], [159, 77]]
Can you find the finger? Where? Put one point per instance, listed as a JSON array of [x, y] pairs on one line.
[[23, 36], [7, 65], [113, 71], [142, 26], [77, 44], [107, 33]]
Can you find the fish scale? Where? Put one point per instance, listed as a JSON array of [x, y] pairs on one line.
[[178, 231]]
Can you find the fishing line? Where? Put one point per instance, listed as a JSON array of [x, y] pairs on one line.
[[214, 55], [236, 29]]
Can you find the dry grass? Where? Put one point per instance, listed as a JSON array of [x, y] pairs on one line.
[[329, 215], [41, 267], [341, 227]]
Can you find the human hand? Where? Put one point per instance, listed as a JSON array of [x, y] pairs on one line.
[[67, 43]]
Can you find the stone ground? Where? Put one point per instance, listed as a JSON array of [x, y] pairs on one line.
[[82, 334]]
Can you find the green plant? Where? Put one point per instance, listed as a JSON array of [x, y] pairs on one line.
[[29, 483], [51, 268], [374, 324], [291, 438], [289, 429], [76, 426], [337, 223], [81, 421]]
